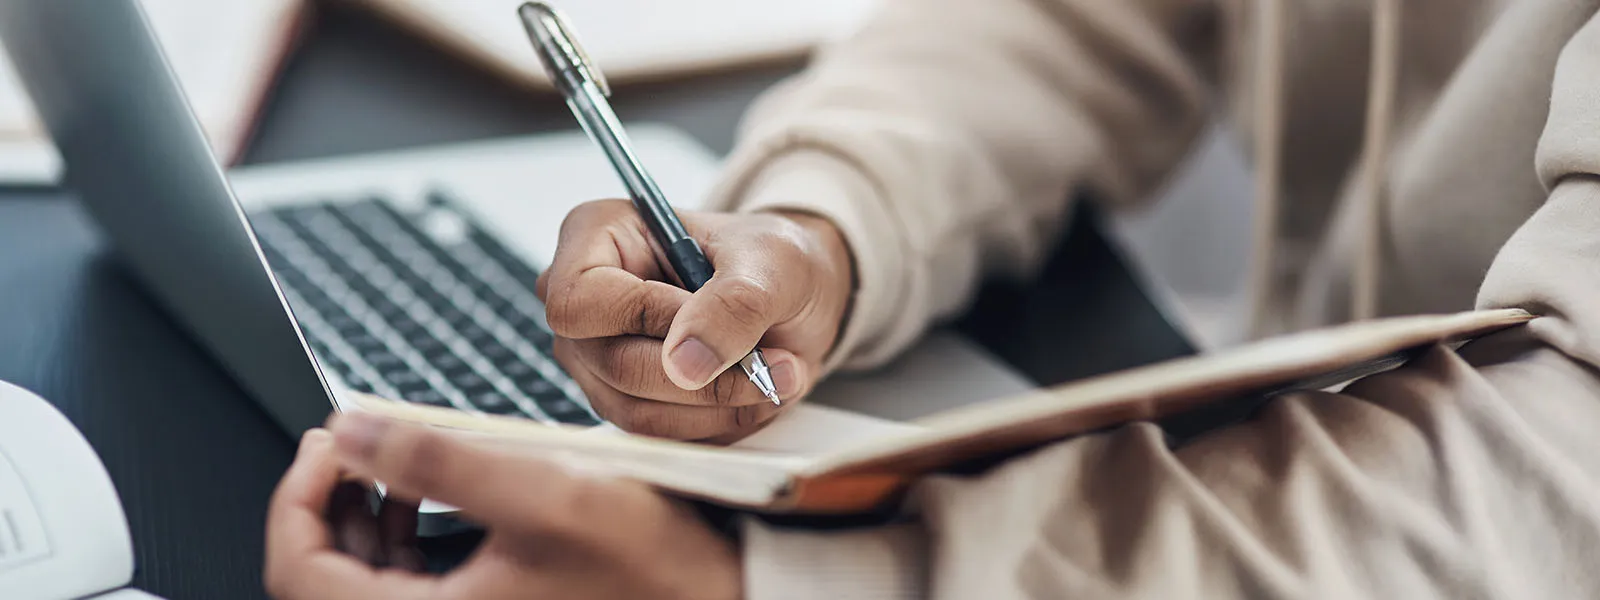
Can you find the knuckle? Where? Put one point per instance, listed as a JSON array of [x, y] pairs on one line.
[[625, 309], [628, 366], [562, 311], [743, 299], [592, 212]]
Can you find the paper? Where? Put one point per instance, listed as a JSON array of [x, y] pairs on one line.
[[809, 430], [225, 54]]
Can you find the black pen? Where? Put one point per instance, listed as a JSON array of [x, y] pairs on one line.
[[586, 90]]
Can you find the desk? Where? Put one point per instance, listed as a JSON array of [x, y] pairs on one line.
[[195, 460]]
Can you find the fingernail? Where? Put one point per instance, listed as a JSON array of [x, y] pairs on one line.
[[786, 377], [694, 361], [357, 434]]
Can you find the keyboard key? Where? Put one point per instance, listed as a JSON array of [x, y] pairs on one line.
[[498, 303], [355, 382], [517, 370], [494, 351], [545, 342], [345, 325], [364, 343], [474, 334], [386, 308], [425, 343], [407, 326], [404, 379], [429, 397], [494, 403], [447, 362], [334, 364], [383, 359], [565, 410], [453, 316], [469, 381], [536, 387]]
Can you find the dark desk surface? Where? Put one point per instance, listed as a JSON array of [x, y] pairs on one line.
[[194, 460]]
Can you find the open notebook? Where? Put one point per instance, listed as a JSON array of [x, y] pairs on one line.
[[816, 463], [226, 53], [633, 39]]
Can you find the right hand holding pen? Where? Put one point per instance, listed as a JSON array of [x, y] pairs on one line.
[[653, 358]]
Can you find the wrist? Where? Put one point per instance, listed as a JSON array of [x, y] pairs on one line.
[[828, 242], [837, 263]]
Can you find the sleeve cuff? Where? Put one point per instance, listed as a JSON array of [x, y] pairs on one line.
[[815, 182], [886, 562]]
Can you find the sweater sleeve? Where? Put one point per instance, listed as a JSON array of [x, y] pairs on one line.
[[948, 136], [1468, 473]]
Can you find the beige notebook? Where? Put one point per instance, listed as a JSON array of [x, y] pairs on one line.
[[632, 40], [226, 54], [865, 472]]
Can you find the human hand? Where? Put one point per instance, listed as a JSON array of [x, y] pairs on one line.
[[553, 532], [653, 358]]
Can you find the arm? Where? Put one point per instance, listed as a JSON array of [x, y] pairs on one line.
[[949, 136], [1468, 473]]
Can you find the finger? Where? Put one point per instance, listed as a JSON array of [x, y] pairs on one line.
[[607, 301], [604, 233], [673, 421], [632, 365], [493, 487], [723, 321], [605, 279], [295, 513], [300, 559]]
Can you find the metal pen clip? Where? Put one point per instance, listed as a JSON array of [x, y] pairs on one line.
[[558, 47]]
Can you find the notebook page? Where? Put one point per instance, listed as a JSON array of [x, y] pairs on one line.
[[225, 54], [806, 430], [810, 429]]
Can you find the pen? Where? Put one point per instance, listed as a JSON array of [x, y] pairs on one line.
[[586, 90]]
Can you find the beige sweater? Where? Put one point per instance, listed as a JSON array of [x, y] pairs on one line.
[[946, 139]]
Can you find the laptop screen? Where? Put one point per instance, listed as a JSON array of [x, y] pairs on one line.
[[138, 161]]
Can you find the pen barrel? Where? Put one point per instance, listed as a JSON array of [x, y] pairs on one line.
[[689, 263]]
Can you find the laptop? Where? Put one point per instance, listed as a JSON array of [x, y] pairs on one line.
[[406, 274]]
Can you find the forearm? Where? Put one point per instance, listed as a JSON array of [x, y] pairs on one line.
[[948, 137]]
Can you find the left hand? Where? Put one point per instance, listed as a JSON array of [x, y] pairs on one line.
[[552, 532]]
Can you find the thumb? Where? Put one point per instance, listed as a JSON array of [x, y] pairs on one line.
[[722, 322]]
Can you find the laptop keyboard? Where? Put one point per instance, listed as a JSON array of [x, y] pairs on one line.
[[424, 307]]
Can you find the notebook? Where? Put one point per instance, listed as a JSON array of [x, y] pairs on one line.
[[225, 53], [811, 462], [632, 40]]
